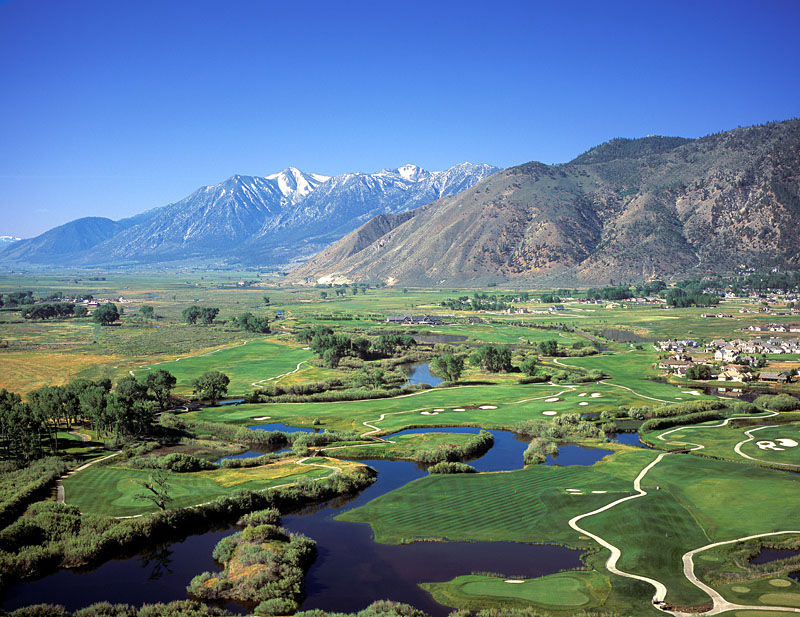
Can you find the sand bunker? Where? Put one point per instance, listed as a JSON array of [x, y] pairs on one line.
[[574, 490], [459, 409], [582, 394], [488, 407], [695, 393], [596, 395], [583, 403], [552, 400], [599, 492], [513, 580], [263, 418], [429, 413], [549, 413], [439, 409]]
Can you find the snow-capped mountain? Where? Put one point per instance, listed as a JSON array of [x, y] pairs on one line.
[[8, 240], [254, 220]]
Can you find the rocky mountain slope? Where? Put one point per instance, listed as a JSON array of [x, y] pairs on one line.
[[628, 209], [246, 220]]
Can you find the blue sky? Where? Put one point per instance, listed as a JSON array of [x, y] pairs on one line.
[[109, 108]]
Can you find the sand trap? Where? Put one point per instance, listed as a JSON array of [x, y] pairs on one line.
[[439, 409], [583, 403], [599, 492], [513, 580], [552, 400], [549, 413], [488, 407], [695, 393], [429, 413], [263, 418], [459, 409], [678, 398], [779, 582], [582, 394], [574, 490], [596, 395]]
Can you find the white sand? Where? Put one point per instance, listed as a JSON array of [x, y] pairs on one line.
[[694, 393], [549, 413], [513, 580], [552, 400], [599, 492], [306, 348], [459, 409], [582, 394], [488, 407], [429, 413], [583, 403], [596, 395], [439, 409], [574, 490], [263, 418]]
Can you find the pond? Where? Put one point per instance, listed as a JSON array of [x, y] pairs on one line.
[[350, 571], [419, 373], [570, 454], [629, 439], [773, 554]]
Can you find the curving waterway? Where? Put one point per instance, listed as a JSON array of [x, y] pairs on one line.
[[350, 571]]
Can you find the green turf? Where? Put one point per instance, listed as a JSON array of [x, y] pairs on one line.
[[248, 365], [573, 590]]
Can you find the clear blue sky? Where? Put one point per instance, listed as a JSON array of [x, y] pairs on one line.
[[112, 107]]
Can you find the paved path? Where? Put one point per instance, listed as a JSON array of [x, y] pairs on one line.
[[611, 563]]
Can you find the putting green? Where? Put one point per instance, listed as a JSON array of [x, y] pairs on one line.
[[566, 589]]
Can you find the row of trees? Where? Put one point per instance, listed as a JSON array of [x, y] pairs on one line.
[[29, 428], [491, 358], [203, 314], [332, 347], [55, 310]]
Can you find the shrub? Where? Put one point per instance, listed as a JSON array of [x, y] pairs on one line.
[[451, 467], [778, 402]]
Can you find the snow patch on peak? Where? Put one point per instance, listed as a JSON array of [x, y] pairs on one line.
[[409, 172]]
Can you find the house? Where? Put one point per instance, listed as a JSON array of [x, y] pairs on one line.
[[735, 372], [775, 376], [728, 353], [678, 367], [556, 308]]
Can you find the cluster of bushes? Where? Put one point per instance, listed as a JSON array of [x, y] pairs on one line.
[[274, 561], [332, 348], [176, 461], [475, 445], [351, 394], [270, 391], [238, 434], [253, 461], [562, 428], [665, 411], [19, 486], [54, 534], [692, 418], [778, 402], [179, 608], [451, 467], [538, 450], [251, 323]]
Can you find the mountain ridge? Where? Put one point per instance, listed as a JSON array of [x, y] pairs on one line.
[[624, 210]]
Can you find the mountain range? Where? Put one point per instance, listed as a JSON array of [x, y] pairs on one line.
[[246, 220], [628, 209]]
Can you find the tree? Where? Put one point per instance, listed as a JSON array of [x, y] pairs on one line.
[[548, 348], [211, 385], [528, 365], [157, 489], [147, 312], [106, 314], [80, 311], [252, 323], [493, 358], [448, 366], [323, 294], [266, 300], [207, 315], [159, 385], [191, 314]]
